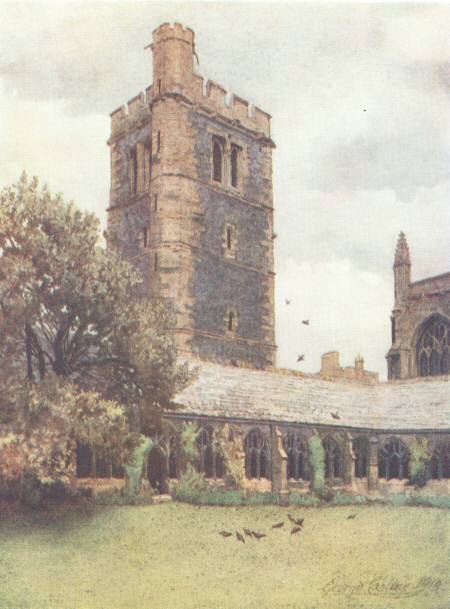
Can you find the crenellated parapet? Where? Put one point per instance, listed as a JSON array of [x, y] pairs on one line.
[[174, 75], [130, 115], [215, 98]]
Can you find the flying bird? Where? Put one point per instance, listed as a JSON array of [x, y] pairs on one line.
[[278, 525], [240, 537], [351, 516], [248, 532], [300, 358], [288, 302], [335, 415], [258, 536], [296, 530], [225, 533], [299, 523], [305, 322]]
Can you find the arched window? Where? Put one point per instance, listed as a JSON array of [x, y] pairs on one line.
[[211, 461], [231, 321], [133, 171], [297, 454], [257, 455], [217, 161], [440, 461], [334, 463], [361, 450], [433, 350], [393, 460], [234, 165]]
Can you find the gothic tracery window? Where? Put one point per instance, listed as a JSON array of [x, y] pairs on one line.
[[440, 461], [257, 455], [361, 450], [433, 351], [297, 454], [211, 461], [334, 462], [393, 460]]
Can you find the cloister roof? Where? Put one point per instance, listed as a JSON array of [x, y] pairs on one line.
[[242, 393]]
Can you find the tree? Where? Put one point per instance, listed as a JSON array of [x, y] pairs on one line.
[[68, 324]]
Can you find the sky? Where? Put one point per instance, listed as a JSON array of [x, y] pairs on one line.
[[359, 94]]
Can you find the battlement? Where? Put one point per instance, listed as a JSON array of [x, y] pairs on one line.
[[173, 30], [215, 98], [173, 74], [137, 108]]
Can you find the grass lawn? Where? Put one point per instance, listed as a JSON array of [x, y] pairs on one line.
[[171, 556]]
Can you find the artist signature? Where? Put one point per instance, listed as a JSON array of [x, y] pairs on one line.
[[385, 586]]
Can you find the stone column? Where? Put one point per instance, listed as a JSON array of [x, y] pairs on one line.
[[279, 466], [349, 460], [372, 465]]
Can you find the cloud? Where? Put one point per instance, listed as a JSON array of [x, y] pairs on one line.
[[69, 153]]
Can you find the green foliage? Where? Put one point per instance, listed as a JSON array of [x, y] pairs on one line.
[[79, 359], [419, 457], [231, 448], [134, 468], [343, 498], [266, 498], [317, 461], [306, 500], [189, 435]]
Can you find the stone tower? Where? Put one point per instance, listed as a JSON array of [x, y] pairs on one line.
[[191, 205]]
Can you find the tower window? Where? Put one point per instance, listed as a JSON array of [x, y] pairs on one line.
[[159, 85], [155, 202], [158, 141], [144, 237], [133, 171], [230, 321], [229, 237], [229, 241], [234, 165], [147, 164], [217, 161], [155, 262]]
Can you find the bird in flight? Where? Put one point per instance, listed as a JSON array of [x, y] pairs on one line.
[[305, 322], [351, 516], [299, 522], [278, 525], [288, 302], [225, 533], [258, 536], [300, 358], [240, 537], [296, 530], [335, 415], [248, 532]]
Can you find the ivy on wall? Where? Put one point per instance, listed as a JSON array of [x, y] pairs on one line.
[[317, 463]]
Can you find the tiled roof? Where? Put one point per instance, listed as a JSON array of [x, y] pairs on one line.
[[241, 393]]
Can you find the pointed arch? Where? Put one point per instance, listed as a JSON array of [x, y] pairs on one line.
[[393, 460], [257, 455], [432, 346]]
